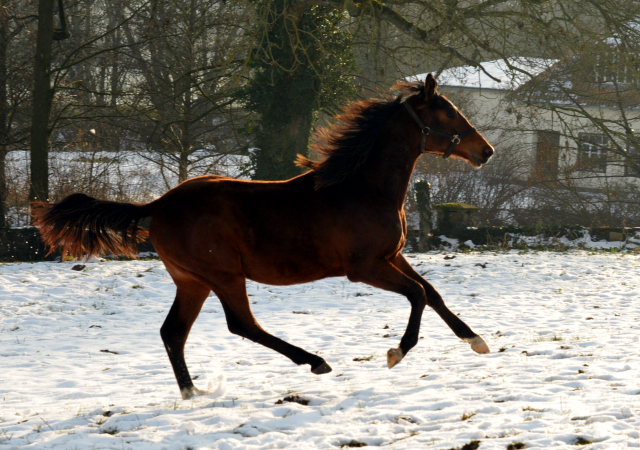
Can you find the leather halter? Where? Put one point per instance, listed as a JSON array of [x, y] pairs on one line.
[[426, 131]]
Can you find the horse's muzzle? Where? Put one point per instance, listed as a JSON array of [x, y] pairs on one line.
[[487, 153]]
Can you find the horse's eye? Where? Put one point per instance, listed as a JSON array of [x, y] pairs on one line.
[[451, 114]]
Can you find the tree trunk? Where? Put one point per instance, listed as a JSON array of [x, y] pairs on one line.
[[42, 100], [4, 131], [290, 91], [279, 140], [3, 186]]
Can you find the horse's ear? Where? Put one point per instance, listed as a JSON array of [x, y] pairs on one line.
[[430, 86]]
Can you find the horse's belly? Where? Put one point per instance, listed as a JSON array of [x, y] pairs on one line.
[[286, 271]]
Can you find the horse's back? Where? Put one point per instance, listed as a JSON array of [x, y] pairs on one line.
[[272, 232]]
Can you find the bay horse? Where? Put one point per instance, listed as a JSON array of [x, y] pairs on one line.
[[343, 217]]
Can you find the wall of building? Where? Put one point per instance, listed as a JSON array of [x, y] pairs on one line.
[[513, 126]]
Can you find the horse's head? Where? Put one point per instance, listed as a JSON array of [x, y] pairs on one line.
[[442, 129]]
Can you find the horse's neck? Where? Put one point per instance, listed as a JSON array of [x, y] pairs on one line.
[[389, 172]]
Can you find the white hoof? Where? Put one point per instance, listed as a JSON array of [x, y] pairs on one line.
[[394, 356], [193, 392], [478, 345]]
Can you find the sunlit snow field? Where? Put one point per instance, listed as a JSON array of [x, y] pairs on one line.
[[564, 367]]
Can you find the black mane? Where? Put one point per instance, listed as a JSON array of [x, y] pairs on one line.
[[347, 143]]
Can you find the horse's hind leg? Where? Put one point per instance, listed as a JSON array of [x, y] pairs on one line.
[[434, 300], [240, 320], [190, 297]]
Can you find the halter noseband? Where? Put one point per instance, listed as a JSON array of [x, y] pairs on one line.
[[426, 131]]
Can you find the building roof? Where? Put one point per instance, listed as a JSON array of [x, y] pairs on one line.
[[569, 82], [512, 73]]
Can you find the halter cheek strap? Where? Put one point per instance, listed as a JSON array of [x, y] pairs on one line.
[[426, 131]]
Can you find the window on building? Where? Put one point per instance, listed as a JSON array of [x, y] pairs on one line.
[[592, 152], [616, 68], [547, 153], [632, 162]]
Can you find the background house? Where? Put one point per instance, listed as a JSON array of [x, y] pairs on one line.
[[564, 132], [532, 110]]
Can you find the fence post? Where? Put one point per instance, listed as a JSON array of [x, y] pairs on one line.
[[425, 213]]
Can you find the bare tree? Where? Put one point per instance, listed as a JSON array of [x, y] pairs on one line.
[[43, 94], [181, 81], [15, 71]]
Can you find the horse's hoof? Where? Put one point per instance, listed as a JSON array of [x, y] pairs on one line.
[[394, 356], [322, 368], [478, 345], [191, 392]]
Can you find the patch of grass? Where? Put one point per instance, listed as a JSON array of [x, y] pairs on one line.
[[473, 445], [467, 415], [545, 338], [516, 446], [364, 358], [137, 286], [99, 304], [353, 444], [7, 437], [14, 328], [582, 441], [529, 408], [112, 431]]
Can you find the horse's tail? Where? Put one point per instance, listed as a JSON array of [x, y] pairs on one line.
[[82, 225]]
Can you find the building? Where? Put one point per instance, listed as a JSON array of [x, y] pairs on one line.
[[572, 122]]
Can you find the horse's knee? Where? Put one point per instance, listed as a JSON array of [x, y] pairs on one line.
[[171, 334], [433, 298], [168, 332], [164, 333]]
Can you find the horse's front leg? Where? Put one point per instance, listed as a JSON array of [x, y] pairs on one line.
[[434, 300], [384, 275]]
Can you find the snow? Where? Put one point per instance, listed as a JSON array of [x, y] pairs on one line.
[[630, 243], [512, 73], [83, 366]]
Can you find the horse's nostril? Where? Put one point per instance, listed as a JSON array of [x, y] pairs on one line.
[[487, 152]]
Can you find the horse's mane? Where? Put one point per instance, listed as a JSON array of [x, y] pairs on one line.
[[345, 145]]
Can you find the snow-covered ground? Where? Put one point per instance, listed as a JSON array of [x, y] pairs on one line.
[[82, 365]]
